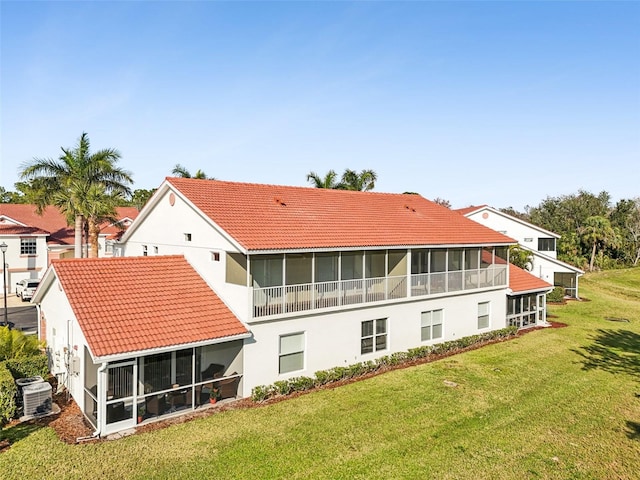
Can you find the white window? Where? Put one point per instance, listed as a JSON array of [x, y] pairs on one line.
[[155, 250], [187, 237], [483, 315], [374, 336], [291, 357], [27, 246], [145, 250], [215, 256], [431, 325]]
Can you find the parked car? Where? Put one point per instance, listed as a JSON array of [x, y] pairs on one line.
[[26, 288]]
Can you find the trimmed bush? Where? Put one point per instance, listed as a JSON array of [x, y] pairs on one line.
[[8, 392], [28, 366], [556, 295], [335, 374]]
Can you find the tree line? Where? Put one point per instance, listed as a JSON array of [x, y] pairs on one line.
[[88, 187], [595, 233]]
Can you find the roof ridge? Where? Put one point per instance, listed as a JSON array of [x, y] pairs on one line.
[[294, 187], [57, 261]]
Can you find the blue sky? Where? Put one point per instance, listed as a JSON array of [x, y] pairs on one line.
[[503, 103]]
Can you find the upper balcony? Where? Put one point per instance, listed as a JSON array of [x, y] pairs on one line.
[[381, 276]]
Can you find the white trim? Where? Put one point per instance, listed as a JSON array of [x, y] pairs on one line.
[[515, 219]]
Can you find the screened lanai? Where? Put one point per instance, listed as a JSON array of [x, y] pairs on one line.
[[294, 282]]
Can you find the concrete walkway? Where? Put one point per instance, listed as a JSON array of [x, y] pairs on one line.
[[13, 301]]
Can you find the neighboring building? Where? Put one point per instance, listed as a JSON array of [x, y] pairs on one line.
[[298, 280], [541, 243], [34, 240]]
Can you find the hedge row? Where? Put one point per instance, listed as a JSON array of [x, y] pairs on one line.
[[8, 392], [17, 368], [28, 366], [324, 377]]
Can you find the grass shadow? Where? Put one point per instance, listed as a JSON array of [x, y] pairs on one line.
[[20, 431], [615, 351], [633, 430]]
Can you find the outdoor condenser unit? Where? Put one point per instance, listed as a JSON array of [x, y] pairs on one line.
[[23, 382], [36, 398]]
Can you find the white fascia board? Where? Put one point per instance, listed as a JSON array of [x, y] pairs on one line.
[[46, 281], [13, 221], [170, 348], [151, 203], [514, 219], [555, 261], [376, 247], [511, 293], [162, 189]]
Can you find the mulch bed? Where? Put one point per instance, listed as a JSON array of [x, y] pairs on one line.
[[70, 425]]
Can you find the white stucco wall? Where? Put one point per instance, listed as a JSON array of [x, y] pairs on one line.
[[333, 339], [512, 228], [62, 331], [165, 227], [20, 267]]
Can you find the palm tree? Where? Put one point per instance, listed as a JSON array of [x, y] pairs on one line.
[[596, 231], [329, 180], [361, 182], [521, 257], [180, 171], [77, 181]]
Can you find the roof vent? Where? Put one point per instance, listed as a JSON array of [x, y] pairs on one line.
[[280, 202], [410, 208]]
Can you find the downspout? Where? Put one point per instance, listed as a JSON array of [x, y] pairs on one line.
[[38, 313], [98, 429]]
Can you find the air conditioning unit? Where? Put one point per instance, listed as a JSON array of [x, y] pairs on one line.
[[36, 399], [23, 382]]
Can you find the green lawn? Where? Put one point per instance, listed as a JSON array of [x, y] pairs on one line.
[[554, 403]]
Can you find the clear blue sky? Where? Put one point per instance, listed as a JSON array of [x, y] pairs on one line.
[[502, 103]]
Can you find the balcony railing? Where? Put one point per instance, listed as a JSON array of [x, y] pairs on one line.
[[310, 296]]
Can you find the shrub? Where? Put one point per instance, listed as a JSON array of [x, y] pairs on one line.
[[28, 366], [282, 387], [335, 374], [15, 344], [300, 384], [556, 295], [8, 392], [260, 393], [322, 378]]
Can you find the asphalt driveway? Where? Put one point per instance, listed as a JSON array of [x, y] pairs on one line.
[[21, 315]]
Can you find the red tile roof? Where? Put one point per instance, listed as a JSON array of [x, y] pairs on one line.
[[12, 229], [129, 304], [53, 221], [466, 210], [271, 217], [522, 281]]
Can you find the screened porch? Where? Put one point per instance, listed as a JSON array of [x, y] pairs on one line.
[[288, 283], [153, 386]]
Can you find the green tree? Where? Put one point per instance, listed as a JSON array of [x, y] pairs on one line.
[[330, 180], [15, 344], [180, 171], [596, 232], [521, 257], [625, 219], [443, 202], [75, 181], [140, 197], [361, 182]]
